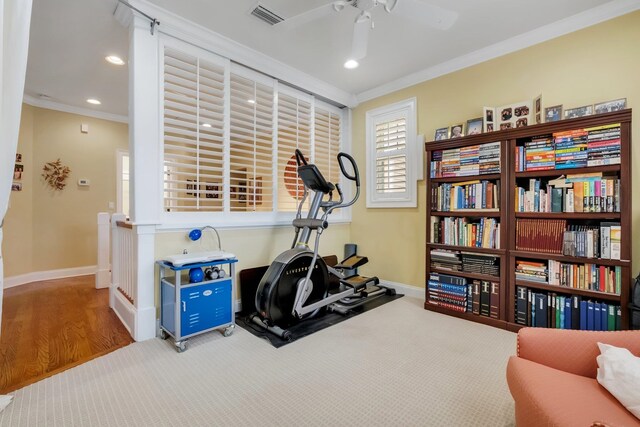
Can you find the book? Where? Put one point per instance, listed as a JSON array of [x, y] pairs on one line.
[[494, 300], [485, 298]]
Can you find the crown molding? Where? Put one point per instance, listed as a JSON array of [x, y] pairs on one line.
[[190, 32], [556, 29], [51, 105]]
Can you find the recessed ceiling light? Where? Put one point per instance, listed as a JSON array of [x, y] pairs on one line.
[[206, 125], [114, 60], [93, 101], [351, 64], [251, 101]]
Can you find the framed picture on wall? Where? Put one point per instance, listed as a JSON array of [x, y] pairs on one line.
[[609, 106], [553, 114], [442, 133], [572, 113], [474, 126], [489, 117], [457, 131]]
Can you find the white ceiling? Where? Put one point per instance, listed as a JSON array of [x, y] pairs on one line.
[[70, 38]]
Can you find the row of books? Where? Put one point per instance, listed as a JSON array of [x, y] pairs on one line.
[[587, 276], [601, 241], [465, 261], [478, 233], [578, 148], [450, 292], [574, 193], [474, 194], [551, 310], [471, 160], [479, 297], [554, 236]]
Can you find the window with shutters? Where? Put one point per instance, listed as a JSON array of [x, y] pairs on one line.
[[229, 138], [392, 155]]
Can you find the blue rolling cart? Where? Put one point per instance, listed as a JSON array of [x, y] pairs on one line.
[[188, 309]]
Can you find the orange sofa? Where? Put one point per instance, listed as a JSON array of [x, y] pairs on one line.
[[553, 378]]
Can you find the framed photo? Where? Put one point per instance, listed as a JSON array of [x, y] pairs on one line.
[[18, 157], [489, 116], [210, 191], [442, 133], [572, 113], [474, 126], [16, 186], [514, 115], [457, 131], [609, 106], [537, 109], [17, 172], [553, 114]]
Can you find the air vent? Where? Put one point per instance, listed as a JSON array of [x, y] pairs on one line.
[[266, 15]]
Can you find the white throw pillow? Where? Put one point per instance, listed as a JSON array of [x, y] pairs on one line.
[[619, 373]]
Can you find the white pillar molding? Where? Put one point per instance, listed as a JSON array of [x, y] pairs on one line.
[[103, 271], [145, 327]]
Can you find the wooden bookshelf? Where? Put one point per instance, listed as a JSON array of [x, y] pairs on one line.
[[506, 215]]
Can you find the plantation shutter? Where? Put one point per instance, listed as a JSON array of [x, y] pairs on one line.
[[294, 132], [391, 156], [327, 142], [193, 122], [251, 144]]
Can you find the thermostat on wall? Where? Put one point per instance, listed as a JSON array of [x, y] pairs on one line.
[[83, 182]]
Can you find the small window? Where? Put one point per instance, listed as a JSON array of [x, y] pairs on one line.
[[392, 155]]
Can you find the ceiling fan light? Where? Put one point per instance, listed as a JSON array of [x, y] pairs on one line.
[[351, 64]]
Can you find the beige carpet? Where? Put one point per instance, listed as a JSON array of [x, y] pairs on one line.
[[395, 365]]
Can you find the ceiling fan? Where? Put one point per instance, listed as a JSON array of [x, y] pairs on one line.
[[416, 10]]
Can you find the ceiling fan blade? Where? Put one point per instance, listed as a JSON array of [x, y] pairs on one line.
[[360, 38], [306, 17], [434, 16]]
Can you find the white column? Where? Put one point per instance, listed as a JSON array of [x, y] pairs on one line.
[[146, 167], [103, 273], [144, 124]]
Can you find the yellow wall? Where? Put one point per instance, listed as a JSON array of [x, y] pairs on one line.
[[596, 64], [47, 229]]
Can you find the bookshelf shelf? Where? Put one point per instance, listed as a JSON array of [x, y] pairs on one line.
[[572, 259], [466, 274], [569, 215], [597, 133], [486, 177], [565, 290], [467, 248], [558, 172], [469, 213]]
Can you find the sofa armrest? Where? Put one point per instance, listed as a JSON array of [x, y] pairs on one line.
[[571, 350]]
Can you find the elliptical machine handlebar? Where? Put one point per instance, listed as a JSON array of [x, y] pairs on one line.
[[300, 160]]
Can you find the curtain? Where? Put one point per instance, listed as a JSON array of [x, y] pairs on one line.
[[15, 17]]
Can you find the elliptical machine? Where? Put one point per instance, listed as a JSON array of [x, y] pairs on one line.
[[296, 284]]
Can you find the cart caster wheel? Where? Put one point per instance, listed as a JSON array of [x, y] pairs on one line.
[[163, 334], [228, 331], [181, 346]]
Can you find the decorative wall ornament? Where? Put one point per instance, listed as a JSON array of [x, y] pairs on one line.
[[55, 174]]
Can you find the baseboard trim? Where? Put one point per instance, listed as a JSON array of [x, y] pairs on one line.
[[37, 276], [408, 290]]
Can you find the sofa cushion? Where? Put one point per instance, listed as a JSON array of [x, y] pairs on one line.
[[619, 373], [547, 396]]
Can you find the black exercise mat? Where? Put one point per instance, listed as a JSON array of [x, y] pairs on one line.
[[309, 326]]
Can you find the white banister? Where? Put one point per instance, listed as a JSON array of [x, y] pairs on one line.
[[103, 271]]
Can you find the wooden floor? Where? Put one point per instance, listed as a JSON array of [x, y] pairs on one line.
[[53, 325]]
